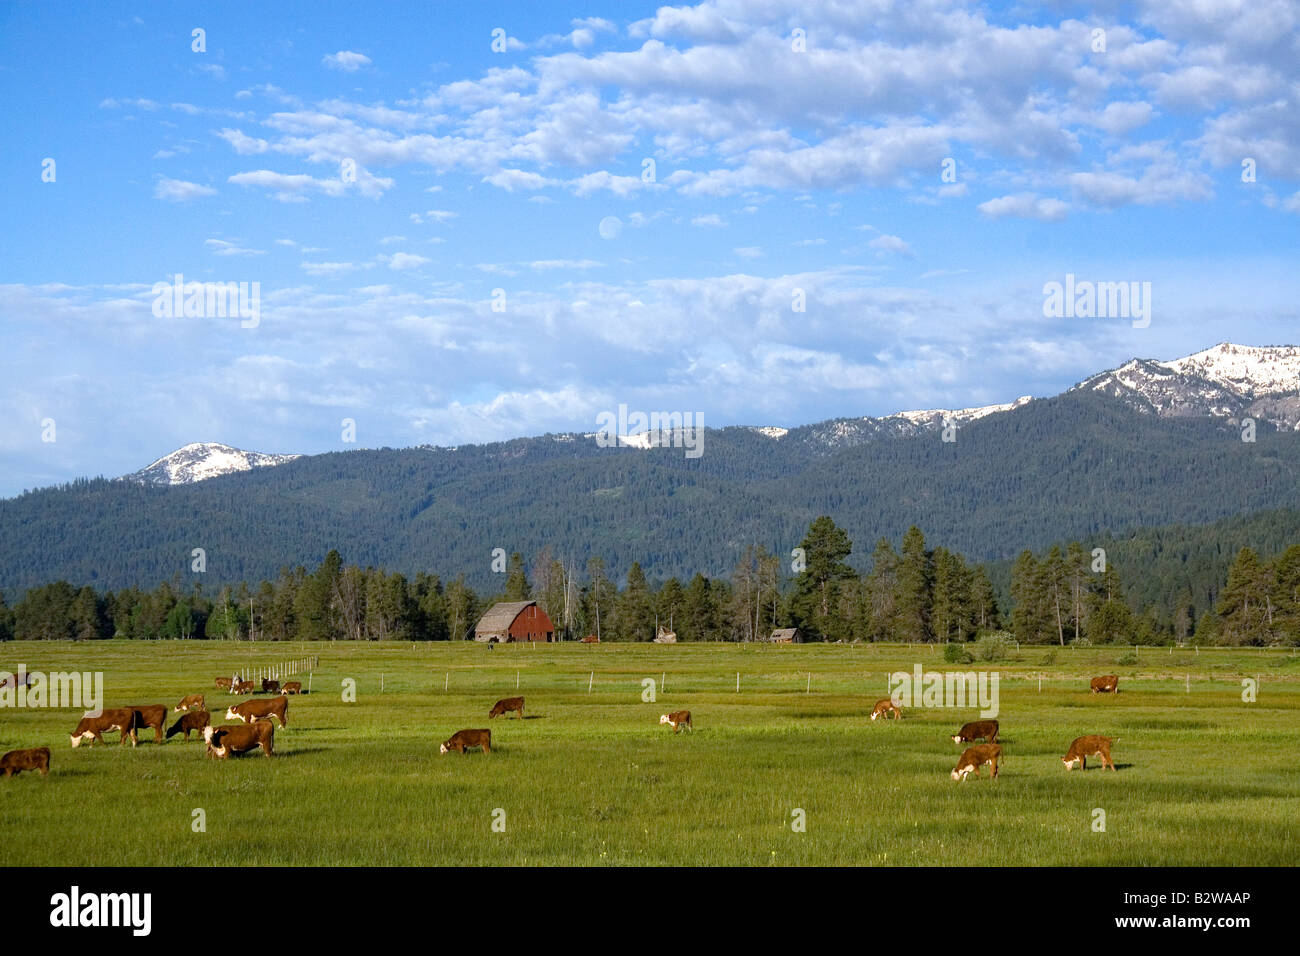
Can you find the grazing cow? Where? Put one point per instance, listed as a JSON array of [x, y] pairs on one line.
[[1109, 684], [977, 730], [291, 687], [886, 707], [591, 639], [223, 682], [678, 718], [462, 740], [194, 720], [16, 761], [1093, 745], [93, 728], [265, 708], [227, 739], [507, 705], [243, 687], [270, 686], [192, 702], [151, 715], [974, 758]]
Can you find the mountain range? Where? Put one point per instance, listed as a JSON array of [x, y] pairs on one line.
[[1150, 443]]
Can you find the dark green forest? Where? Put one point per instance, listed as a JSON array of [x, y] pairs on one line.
[[1078, 466], [913, 593]]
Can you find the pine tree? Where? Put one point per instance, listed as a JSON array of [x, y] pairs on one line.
[[912, 600]]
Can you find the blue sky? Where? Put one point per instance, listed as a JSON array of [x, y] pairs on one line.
[[775, 169]]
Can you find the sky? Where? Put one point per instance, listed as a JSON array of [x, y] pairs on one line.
[[467, 222]]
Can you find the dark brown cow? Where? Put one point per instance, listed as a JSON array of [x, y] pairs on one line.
[[977, 730], [93, 728], [1092, 745], [678, 718], [192, 702], [194, 720], [291, 687], [151, 715], [265, 708], [507, 705], [1109, 684], [270, 686], [223, 682], [237, 739], [16, 761], [884, 708], [462, 740], [975, 757], [243, 687], [591, 639]]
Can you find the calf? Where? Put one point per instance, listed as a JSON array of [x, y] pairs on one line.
[[270, 686], [151, 715], [678, 718], [884, 708], [194, 720], [92, 728], [505, 706], [243, 687], [16, 761], [462, 740], [226, 740], [976, 757], [1092, 745], [977, 730], [1109, 684], [223, 682], [265, 708], [291, 687], [194, 701]]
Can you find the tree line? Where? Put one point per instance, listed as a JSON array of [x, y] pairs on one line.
[[913, 593]]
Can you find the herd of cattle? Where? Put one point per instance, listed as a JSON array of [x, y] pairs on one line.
[[258, 717], [990, 752]]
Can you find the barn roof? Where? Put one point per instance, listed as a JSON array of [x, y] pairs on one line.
[[500, 616], [781, 633]]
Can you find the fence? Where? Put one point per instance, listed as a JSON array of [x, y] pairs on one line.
[[298, 665]]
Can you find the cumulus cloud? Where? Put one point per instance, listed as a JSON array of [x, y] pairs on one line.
[[179, 190], [1025, 206], [346, 60]]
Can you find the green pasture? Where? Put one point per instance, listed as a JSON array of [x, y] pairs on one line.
[[591, 777]]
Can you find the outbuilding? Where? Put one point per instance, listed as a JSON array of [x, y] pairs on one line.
[[511, 621]]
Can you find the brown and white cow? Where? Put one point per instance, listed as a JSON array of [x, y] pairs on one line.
[[192, 702], [975, 757], [885, 707], [243, 687], [223, 682], [462, 740], [1091, 745], [151, 715], [237, 739], [977, 730], [265, 708], [270, 686], [16, 761], [678, 718], [93, 728], [506, 705], [1107, 684], [291, 687], [193, 720]]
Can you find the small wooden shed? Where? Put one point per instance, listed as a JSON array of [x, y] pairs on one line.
[[787, 635], [511, 621]]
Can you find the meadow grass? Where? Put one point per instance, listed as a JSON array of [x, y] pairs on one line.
[[590, 777]]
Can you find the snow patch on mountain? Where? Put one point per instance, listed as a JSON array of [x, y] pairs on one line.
[[200, 461]]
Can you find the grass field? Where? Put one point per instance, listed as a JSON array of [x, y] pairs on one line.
[[590, 777]]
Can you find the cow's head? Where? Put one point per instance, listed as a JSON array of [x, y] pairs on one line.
[[959, 773], [665, 719], [233, 714], [76, 740], [1069, 762], [956, 738], [443, 749]]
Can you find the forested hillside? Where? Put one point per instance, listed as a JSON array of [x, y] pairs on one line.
[[1075, 466]]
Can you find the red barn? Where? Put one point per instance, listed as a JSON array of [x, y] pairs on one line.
[[512, 621]]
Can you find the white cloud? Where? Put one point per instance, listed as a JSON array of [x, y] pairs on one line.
[[345, 60], [178, 190], [1025, 206]]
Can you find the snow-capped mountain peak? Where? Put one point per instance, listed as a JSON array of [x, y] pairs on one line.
[[199, 461], [1226, 381]]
